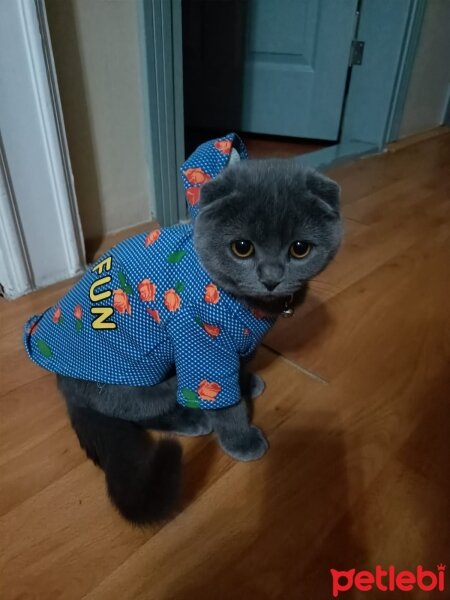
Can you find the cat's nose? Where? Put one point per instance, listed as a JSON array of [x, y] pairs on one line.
[[270, 284]]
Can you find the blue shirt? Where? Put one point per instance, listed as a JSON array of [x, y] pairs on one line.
[[148, 305]]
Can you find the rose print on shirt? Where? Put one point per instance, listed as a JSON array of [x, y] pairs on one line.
[[154, 314], [212, 330], [223, 146], [208, 390], [172, 300], [197, 175], [57, 317], [152, 237], [121, 302], [78, 314], [193, 195], [147, 290], [212, 295]]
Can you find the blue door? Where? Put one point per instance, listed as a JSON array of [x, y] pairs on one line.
[[266, 66], [295, 66]]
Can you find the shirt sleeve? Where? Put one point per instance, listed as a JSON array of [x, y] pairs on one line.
[[207, 363]]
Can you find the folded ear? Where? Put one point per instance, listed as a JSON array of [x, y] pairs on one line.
[[216, 189], [323, 187]]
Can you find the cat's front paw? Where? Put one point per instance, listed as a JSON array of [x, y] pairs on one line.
[[250, 445], [257, 386]]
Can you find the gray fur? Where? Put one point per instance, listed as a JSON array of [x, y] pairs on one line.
[[271, 203], [156, 408], [153, 407]]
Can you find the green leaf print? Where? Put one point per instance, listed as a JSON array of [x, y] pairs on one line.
[[198, 321], [125, 286], [176, 256], [180, 287], [191, 398], [78, 325], [44, 348]]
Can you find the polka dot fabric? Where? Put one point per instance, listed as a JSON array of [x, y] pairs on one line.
[[148, 305]]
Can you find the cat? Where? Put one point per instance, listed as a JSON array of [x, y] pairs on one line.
[[263, 229]]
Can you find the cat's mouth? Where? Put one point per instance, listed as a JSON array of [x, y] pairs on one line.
[[276, 295], [276, 303]]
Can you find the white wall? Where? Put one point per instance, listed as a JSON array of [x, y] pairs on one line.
[[429, 87], [39, 230], [96, 50], [14, 276]]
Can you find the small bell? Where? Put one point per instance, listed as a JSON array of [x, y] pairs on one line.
[[288, 310]]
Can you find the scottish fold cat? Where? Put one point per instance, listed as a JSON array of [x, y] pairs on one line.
[[263, 229]]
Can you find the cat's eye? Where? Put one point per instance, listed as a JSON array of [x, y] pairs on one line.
[[242, 248], [300, 249]]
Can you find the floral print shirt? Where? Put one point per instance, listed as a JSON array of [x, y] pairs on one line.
[[147, 306]]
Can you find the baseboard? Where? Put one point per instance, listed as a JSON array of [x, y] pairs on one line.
[[418, 137], [333, 155]]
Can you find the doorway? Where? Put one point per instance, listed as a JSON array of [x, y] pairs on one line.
[[274, 72]]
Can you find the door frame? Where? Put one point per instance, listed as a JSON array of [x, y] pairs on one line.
[[375, 100], [406, 62], [160, 28], [376, 96]]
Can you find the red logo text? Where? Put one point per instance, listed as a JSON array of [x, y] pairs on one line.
[[388, 580]]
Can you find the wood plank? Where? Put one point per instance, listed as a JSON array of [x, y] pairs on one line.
[[356, 471], [28, 415], [82, 517], [383, 246], [374, 318], [36, 467], [368, 175], [417, 138], [293, 509]]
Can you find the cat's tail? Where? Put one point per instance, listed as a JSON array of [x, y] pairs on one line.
[[142, 476]]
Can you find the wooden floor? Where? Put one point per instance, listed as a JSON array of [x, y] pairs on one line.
[[259, 146], [356, 411]]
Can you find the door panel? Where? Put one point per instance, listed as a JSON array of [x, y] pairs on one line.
[[295, 67], [282, 30], [266, 66]]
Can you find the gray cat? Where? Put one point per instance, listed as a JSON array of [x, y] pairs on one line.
[[264, 229]]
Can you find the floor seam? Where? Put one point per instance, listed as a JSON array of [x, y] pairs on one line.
[[298, 366]]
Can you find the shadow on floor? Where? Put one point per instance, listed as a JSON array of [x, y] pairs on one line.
[[289, 525]]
